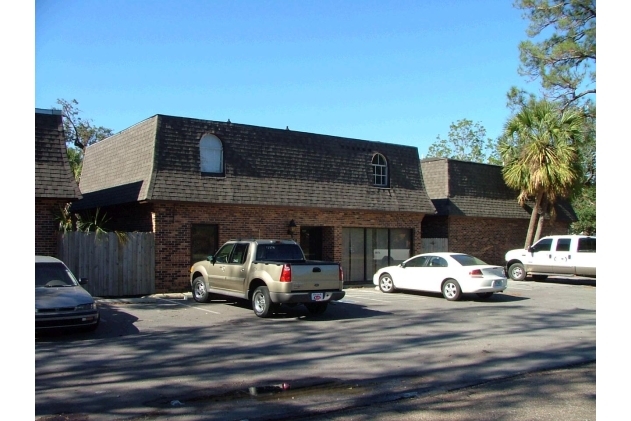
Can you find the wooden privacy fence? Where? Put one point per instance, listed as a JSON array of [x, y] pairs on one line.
[[113, 268], [429, 245]]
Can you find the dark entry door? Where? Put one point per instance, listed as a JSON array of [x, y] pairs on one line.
[[311, 242]]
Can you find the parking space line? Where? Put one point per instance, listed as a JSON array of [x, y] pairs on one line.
[[186, 305], [371, 299], [520, 286], [389, 299]]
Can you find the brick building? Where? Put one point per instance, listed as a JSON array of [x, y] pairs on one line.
[[197, 183], [55, 185], [477, 212]]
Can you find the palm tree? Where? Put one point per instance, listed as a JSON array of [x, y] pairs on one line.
[[75, 159], [539, 151]]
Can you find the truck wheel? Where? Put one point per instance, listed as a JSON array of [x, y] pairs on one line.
[[261, 302], [517, 272], [200, 292], [451, 290], [386, 284], [316, 308]]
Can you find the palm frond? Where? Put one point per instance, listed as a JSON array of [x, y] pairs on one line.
[[64, 218]]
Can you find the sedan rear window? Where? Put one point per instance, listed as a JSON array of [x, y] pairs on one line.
[[467, 260]]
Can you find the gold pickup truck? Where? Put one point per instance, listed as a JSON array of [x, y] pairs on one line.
[[269, 273]]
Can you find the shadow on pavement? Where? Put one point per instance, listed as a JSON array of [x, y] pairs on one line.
[[566, 280]]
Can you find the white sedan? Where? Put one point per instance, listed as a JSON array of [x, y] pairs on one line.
[[452, 274]]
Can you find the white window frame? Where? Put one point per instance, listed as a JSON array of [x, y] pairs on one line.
[[211, 154], [379, 165]]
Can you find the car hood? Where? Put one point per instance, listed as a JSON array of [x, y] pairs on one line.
[[57, 297]]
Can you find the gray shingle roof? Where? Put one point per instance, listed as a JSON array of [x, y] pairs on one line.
[[158, 159], [120, 168], [477, 190], [53, 176]]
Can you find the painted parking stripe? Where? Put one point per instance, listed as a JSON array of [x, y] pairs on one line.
[[357, 299], [389, 299], [371, 299], [189, 306], [524, 286]]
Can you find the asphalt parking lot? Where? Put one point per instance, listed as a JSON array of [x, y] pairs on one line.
[[365, 350]]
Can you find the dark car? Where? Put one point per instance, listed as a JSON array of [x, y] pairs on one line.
[[60, 300]]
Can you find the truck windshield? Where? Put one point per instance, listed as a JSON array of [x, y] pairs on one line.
[[279, 252]]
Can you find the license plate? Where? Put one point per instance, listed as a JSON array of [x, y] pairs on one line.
[[317, 296]]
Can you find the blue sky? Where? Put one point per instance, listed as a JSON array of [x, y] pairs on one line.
[[391, 71]]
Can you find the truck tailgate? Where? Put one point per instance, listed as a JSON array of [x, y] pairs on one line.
[[314, 276]]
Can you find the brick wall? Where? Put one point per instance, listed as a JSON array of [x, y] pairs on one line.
[[46, 228], [173, 231], [490, 238], [486, 238]]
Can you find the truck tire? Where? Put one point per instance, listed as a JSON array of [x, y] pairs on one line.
[[200, 292], [517, 272], [261, 302], [316, 308]]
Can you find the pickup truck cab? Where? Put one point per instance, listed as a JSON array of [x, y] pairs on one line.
[[561, 255], [268, 273]]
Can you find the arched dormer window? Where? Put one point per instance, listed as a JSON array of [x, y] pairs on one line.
[[380, 170], [211, 154]]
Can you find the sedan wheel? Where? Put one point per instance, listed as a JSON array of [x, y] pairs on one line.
[[385, 283], [451, 290]]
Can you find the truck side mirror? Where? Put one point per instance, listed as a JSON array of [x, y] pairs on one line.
[[211, 259]]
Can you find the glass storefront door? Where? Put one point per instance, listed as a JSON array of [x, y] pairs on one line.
[[365, 250], [353, 254], [377, 250]]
